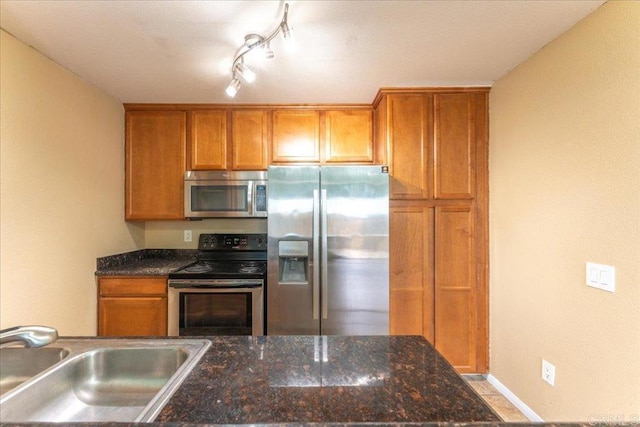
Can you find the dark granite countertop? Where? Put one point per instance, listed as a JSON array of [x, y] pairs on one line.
[[145, 262], [328, 379], [325, 381]]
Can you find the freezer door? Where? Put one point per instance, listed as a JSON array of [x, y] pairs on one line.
[[293, 287], [355, 290]]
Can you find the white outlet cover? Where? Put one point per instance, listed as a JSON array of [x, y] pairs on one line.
[[601, 276], [188, 236]]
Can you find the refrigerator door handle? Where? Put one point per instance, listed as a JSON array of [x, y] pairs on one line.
[[323, 261], [316, 256]]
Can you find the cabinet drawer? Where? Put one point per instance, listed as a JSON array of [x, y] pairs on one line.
[[129, 286]]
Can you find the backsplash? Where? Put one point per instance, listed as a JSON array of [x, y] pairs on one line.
[[170, 234]]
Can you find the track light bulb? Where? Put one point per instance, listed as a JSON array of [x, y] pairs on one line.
[[233, 87]]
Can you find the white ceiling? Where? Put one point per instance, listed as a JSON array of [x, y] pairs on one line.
[[181, 51]]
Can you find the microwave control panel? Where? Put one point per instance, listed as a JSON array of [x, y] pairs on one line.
[[261, 198]]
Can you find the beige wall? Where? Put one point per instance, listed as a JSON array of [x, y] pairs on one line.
[[170, 234], [62, 184], [565, 189]]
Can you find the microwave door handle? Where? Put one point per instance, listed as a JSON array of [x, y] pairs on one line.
[[250, 198], [316, 256]]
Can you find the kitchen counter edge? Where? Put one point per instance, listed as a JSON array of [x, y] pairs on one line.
[[145, 262]]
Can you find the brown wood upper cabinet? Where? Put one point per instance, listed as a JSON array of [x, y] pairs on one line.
[[429, 141], [349, 136], [223, 140], [402, 129], [459, 122], [296, 136], [155, 146], [208, 140], [322, 136], [250, 139]]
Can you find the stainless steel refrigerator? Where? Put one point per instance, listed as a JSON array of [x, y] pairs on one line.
[[328, 252]]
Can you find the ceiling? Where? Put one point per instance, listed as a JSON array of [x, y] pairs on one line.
[[181, 51]]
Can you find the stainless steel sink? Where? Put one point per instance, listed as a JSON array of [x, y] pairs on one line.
[[105, 380], [20, 364]]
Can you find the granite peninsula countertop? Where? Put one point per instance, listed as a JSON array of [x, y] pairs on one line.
[[324, 379], [145, 262]]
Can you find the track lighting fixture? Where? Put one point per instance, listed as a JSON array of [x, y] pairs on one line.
[[258, 46]]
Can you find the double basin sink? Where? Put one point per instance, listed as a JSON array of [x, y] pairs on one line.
[[92, 380]]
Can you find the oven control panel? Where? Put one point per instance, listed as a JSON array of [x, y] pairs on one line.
[[226, 242]]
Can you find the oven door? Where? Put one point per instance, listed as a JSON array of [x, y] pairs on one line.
[[202, 311]]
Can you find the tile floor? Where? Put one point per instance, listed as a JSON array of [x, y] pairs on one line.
[[497, 401]]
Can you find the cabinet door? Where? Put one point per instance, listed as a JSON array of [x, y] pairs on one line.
[[249, 140], [296, 136], [408, 118], [155, 145], [208, 140], [411, 271], [132, 316], [459, 124], [349, 136], [455, 287]]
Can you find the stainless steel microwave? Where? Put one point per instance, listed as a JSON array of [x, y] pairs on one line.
[[232, 194]]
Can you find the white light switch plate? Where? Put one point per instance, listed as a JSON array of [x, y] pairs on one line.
[[601, 276]]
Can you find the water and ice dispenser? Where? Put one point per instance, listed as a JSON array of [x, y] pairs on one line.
[[294, 262]]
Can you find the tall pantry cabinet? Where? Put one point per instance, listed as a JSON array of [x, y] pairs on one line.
[[435, 143]]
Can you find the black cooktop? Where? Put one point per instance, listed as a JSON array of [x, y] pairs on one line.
[[227, 256], [226, 267]]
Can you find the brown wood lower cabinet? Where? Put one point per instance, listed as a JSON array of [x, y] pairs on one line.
[[456, 313], [435, 288], [132, 306], [411, 271]]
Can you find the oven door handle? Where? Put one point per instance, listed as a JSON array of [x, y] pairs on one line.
[[214, 284]]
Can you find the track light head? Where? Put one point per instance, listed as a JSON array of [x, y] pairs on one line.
[[233, 87], [268, 53], [284, 25], [245, 72]]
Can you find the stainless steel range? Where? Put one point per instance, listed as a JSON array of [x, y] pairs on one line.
[[222, 293]]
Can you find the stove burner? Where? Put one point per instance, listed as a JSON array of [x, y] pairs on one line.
[[198, 268], [224, 267]]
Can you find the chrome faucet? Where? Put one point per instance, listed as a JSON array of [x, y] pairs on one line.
[[30, 336]]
